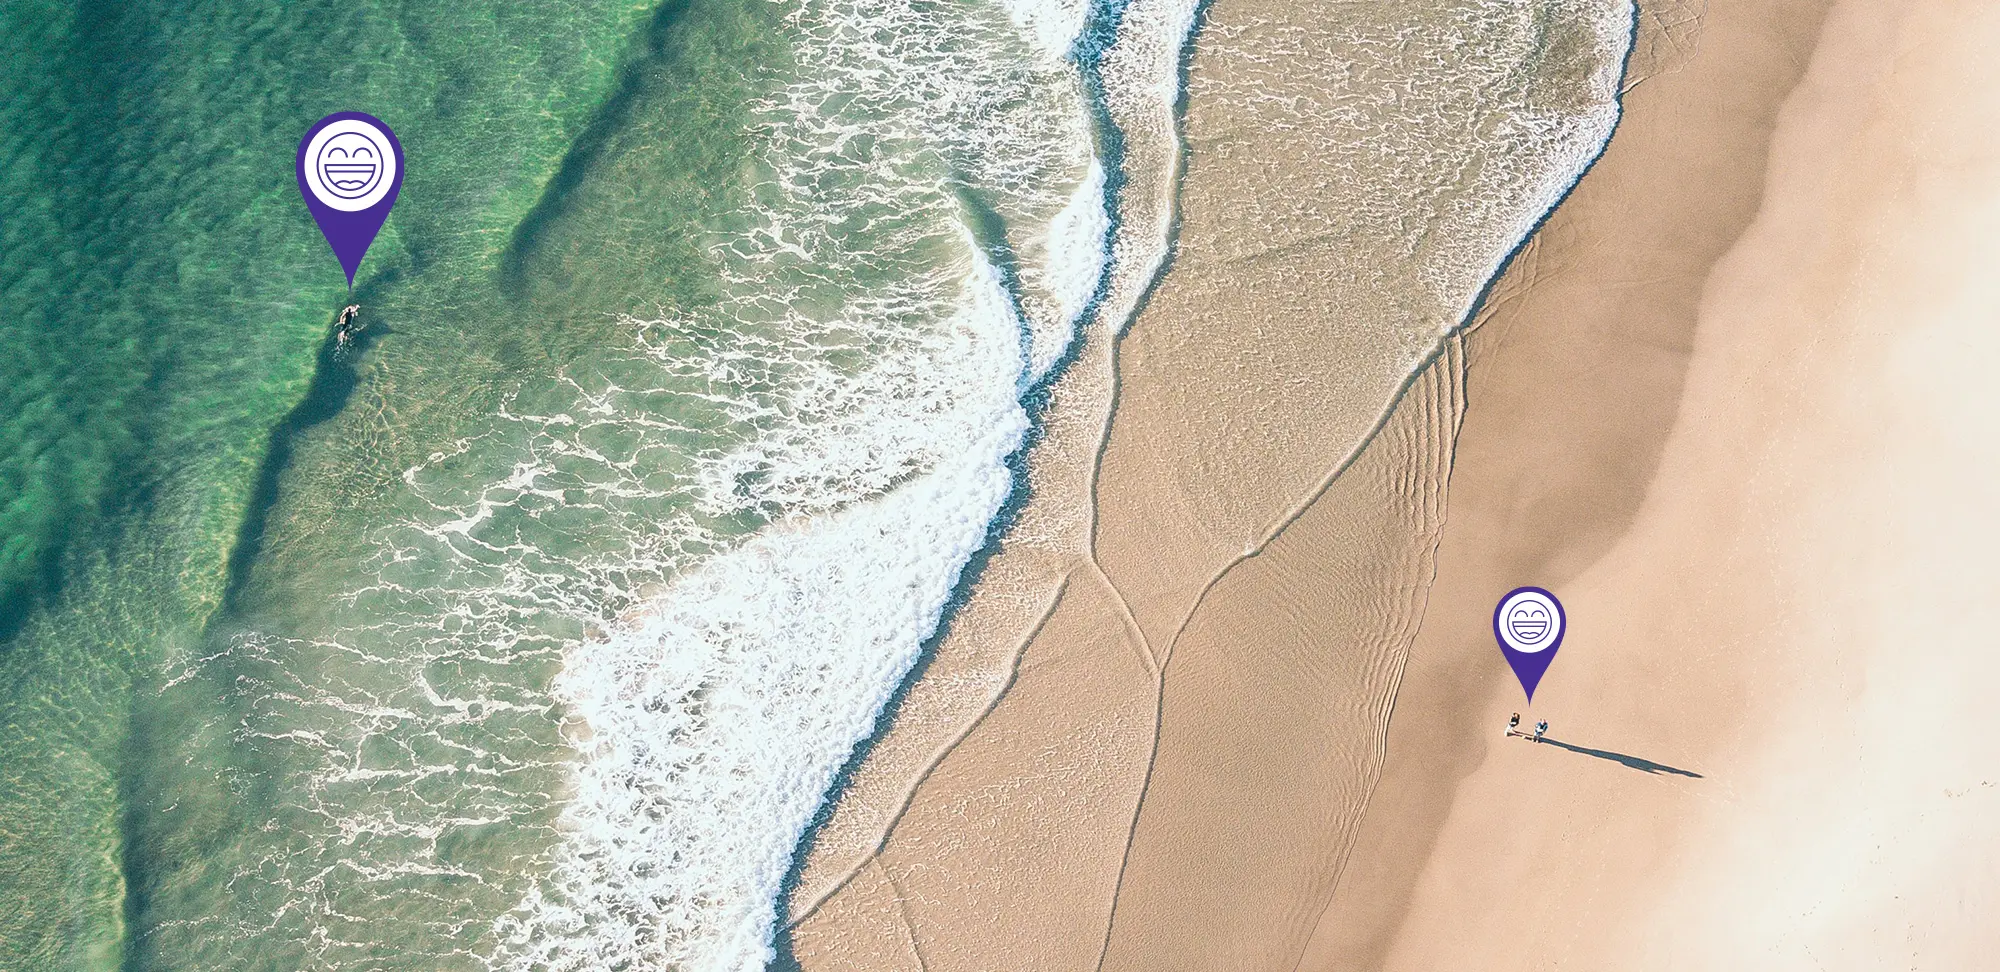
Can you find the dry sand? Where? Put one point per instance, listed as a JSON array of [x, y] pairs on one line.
[[1728, 405]]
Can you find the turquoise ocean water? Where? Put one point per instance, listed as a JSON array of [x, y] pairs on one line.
[[167, 312], [285, 632]]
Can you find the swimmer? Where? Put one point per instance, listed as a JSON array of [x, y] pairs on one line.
[[344, 329]]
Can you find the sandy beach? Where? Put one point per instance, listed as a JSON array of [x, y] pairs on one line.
[[1224, 490], [1726, 403], [1799, 610]]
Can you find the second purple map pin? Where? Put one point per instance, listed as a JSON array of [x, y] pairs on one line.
[[350, 168], [1529, 625]]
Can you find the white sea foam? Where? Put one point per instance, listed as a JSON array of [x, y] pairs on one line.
[[1140, 74], [718, 717], [1431, 146], [735, 534], [1553, 149], [1053, 25], [1078, 251], [719, 711]]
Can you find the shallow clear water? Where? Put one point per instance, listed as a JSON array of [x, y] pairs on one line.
[[164, 300]]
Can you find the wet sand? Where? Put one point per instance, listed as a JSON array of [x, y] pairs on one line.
[[1270, 740], [993, 825], [1117, 642]]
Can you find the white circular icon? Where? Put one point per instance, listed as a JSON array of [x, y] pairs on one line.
[[1529, 621], [349, 165]]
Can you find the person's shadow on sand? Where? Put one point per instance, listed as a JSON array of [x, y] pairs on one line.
[[1632, 761]]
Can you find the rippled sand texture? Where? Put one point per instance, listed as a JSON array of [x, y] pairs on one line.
[[1344, 200], [1276, 703], [1356, 173]]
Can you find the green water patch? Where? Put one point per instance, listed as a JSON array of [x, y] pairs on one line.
[[283, 698], [243, 848], [163, 297], [618, 227]]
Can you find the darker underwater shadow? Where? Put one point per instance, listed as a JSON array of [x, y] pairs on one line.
[[588, 150], [335, 378]]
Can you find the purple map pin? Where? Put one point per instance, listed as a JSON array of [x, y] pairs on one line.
[[1529, 624], [350, 167]]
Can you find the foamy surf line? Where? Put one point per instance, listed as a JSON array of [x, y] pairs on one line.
[[717, 717], [1618, 31]]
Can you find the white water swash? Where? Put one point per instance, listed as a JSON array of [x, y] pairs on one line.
[[719, 713], [593, 677]]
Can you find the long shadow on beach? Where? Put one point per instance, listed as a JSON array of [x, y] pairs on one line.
[[1632, 761]]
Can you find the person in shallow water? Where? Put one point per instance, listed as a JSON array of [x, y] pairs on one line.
[[345, 328]]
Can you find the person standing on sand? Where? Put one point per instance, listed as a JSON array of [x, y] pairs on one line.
[[1513, 725], [1541, 728]]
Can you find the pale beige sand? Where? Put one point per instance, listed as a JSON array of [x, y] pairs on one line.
[[1275, 707], [1802, 610]]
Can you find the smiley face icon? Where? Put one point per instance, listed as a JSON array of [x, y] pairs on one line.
[[1529, 620], [349, 165]]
